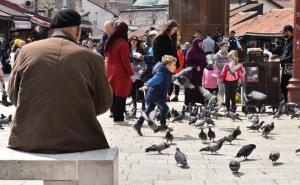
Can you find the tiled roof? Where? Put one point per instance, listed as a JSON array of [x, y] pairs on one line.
[[284, 4], [145, 2], [140, 32], [247, 8], [241, 17], [269, 23]]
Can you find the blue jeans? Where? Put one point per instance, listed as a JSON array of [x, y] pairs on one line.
[[164, 109]]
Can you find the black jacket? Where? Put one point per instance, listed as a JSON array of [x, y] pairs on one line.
[[164, 45], [278, 50], [286, 59]]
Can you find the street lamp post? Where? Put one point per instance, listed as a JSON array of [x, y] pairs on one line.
[[294, 86]]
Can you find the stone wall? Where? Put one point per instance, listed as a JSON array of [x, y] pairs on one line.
[[144, 17]]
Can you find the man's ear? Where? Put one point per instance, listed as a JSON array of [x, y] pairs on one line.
[[78, 33]]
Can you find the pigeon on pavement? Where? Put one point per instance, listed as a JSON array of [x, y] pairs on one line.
[[274, 156], [245, 151], [234, 166], [256, 126], [202, 135], [158, 148], [267, 129], [211, 134], [213, 147], [169, 136], [180, 158]]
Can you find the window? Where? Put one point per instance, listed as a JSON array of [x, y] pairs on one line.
[[153, 21], [130, 22]]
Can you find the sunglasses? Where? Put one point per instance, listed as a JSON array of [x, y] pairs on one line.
[[134, 39]]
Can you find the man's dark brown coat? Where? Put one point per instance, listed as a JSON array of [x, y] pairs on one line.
[[58, 88]]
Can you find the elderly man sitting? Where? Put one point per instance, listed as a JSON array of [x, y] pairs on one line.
[[59, 88]]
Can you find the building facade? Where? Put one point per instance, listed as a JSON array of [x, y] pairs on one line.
[[146, 13]]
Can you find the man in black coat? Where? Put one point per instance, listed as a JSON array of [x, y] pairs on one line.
[[286, 60]]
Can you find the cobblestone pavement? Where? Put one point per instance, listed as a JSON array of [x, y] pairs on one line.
[[139, 168]]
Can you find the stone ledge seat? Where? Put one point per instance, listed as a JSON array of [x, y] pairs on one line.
[[98, 167]]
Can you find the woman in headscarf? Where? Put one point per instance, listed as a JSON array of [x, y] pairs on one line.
[[195, 58], [119, 71]]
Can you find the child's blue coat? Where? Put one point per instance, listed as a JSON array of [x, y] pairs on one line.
[[159, 84]]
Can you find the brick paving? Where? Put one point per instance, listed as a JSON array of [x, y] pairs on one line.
[[139, 168]]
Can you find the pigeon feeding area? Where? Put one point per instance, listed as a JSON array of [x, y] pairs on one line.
[[203, 146]]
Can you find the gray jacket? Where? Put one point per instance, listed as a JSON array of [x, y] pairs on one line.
[[221, 58]]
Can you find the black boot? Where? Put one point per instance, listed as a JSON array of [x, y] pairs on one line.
[[137, 129]]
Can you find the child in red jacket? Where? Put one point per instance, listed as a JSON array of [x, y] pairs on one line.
[[232, 76]]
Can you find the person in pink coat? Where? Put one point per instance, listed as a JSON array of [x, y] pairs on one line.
[[210, 75], [232, 76]]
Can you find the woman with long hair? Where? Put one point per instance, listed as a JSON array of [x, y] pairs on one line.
[[165, 43], [196, 58], [119, 71], [138, 65]]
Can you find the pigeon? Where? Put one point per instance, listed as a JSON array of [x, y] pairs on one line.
[[279, 112], [211, 98], [202, 135], [236, 132], [256, 96], [233, 116], [234, 166], [2, 116], [4, 101], [169, 136], [157, 148], [254, 119], [256, 126], [213, 147], [298, 150], [6, 121], [174, 113], [193, 121], [274, 156], [210, 122], [211, 134], [200, 123], [296, 113], [229, 138], [263, 109], [267, 129], [245, 151], [178, 118], [180, 158], [183, 80], [182, 72]]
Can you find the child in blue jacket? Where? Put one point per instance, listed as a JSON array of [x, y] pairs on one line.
[[157, 88]]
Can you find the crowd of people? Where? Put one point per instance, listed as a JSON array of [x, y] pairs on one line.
[[128, 67]]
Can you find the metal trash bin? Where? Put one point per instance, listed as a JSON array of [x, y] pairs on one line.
[[263, 77]]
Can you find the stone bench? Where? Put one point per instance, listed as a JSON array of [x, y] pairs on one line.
[[99, 167]]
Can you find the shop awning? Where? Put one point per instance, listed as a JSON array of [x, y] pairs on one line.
[[39, 21], [22, 25], [4, 16]]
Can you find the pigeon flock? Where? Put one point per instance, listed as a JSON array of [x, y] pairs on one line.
[[204, 117]]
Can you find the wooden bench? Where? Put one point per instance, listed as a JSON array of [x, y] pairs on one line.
[[99, 167]]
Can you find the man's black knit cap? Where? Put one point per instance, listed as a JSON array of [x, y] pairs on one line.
[[66, 18]]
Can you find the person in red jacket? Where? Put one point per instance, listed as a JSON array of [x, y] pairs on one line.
[[119, 71], [180, 55], [232, 76]]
